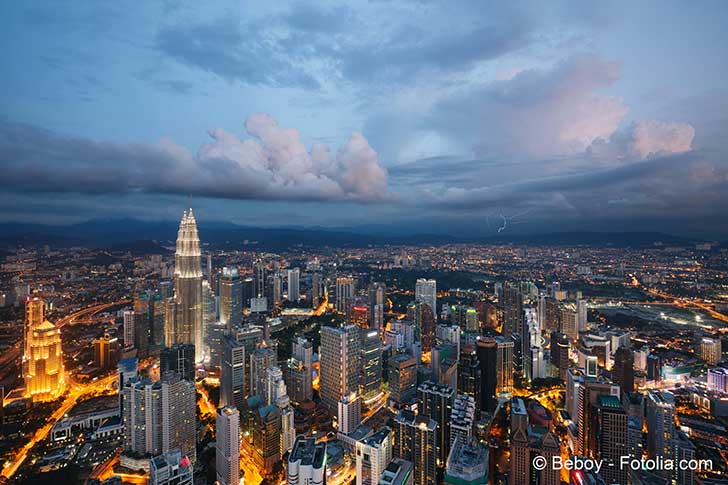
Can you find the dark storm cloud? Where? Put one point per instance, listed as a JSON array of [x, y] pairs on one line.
[[274, 165]]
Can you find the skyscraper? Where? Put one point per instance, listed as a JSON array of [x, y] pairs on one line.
[[371, 364], [436, 402], [512, 308], [227, 446], [340, 363], [487, 351], [294, 292], [609, 426], [402, 374], [423, 317], [415, 440], [160, 416], [660, 426], [232, 372], [623, 370], [231, 298], [179, 358], [260, 360], [344, 293], [43, 357], [469, 375], [188, 286], [426, 292], [376, 305], [711, 350]]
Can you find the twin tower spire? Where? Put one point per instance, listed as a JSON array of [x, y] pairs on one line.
[[188, 328]]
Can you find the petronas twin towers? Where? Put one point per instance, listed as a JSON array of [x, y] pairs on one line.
[[188, 324]]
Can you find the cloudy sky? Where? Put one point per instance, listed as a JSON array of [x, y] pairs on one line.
[[454, 117]]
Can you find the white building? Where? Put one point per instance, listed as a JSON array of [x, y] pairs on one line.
[[227, 446], [307, 462], [373, 454], [349, 413]]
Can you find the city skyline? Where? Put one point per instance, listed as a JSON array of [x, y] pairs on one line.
[[499, 118], [364, 243]]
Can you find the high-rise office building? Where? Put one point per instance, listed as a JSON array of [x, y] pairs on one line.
[[179, 358], [306, 462], [106, 352], [260, 360], [423, 318], [512, 308], [294, 290], [277, 290], [128, 326], [588, 393], [402, 376], [340, 363], [376, 305], [188, 327], [266, 437], [315, 289], [232, 372], [684, 453], [345, 292], [560, 353], [213, 329], [660, 426], [520, 456], [711, 350], [426, 292], [371, 364], [469, 376], [227, 446], [259, 279], [299, 371], [487, 352], [609, 426], [160, 416], [150, 325], [349, 413], [127, 369], [415, 440], [43, 357], [171, 468], [436, 401], [373, 454], [231, 298], [623, 370]]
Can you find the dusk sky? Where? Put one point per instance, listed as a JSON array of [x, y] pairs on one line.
[[454, 117]]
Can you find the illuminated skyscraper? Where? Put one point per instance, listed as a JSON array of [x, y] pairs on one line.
[[415, 440], [339, 363], [344, 293], [512, 309], [371, 364], [188, 286], [294, 290], [426, 292], [231, 298], [43, 360]]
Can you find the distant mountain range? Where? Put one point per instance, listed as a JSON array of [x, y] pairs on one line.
[[146, 237]]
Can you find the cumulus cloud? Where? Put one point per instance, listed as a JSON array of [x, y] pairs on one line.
[[537, 113], [644, 139], [273, 165]]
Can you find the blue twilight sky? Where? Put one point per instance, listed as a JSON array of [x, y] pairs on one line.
[[458, 117]]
